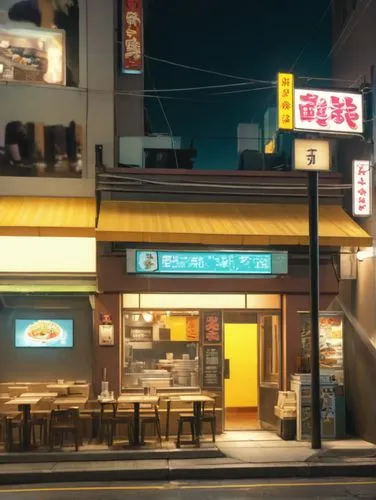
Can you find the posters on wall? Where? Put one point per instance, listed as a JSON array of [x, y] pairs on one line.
[[331, 340], [212, 326], [41, 135]]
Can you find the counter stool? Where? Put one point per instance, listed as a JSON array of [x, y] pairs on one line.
[[11, 423], [188, 418], [122, 418], [64, 422], [208, 415], [151, 419]]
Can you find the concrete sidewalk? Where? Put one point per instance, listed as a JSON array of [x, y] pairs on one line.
[[264, 456]]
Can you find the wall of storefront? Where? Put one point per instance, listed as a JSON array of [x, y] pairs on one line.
[[354, 60], [107, 357], [293, 288], [112, 277], [47, 364]]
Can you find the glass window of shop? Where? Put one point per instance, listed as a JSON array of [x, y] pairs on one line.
[[161, 349]]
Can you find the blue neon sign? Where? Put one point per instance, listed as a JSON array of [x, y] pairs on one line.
[[201, 262]]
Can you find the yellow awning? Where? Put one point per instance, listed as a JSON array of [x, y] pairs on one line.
[[32, 216], [225, 224]]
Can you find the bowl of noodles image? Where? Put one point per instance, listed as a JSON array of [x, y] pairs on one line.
[[43, 332]]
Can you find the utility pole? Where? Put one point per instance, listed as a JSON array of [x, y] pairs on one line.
[[313, 202]]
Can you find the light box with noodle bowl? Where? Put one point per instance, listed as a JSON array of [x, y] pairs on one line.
[[44, 333]]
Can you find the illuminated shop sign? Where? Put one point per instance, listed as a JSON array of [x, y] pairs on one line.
[[362, 188], [285, 101], [328, 111], [132, 37], [206, 263]]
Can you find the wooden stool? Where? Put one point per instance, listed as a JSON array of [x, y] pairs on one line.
[[188, 418]]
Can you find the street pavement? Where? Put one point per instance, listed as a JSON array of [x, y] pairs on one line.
[[329, 489]]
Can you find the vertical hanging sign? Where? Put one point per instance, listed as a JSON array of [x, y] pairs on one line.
[[362, 188], [285, 90], [132, 39]]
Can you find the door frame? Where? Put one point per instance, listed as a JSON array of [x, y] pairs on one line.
[[271, 386], [257, 313]]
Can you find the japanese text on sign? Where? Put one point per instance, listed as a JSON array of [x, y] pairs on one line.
[[285, 101], [311, 155], [362, 188], [181, 262], [212, 326], [132, 36], [328, 111]]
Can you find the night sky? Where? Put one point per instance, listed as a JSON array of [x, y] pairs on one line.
[[248, 38]]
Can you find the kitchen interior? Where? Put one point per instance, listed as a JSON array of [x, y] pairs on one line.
[[161, 350]]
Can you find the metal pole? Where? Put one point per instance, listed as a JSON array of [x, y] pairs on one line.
[[313, 201]]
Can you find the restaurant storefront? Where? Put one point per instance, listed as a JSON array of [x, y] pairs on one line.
[[236, 335], [47, 284], [165, 298]]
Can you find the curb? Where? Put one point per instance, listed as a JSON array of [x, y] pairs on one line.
[[209, 472], [58, 457]]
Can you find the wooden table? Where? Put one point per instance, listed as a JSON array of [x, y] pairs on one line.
[[41, 395], [136, 400], [197, 400], [24, 405], [70, 401]]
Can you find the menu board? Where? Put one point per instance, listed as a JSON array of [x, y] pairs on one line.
[[143, 333], [212, 327], [331, 339], [212, 366]]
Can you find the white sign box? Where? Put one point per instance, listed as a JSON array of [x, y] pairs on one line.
[[328, 111], [362, 188], [311, 155]]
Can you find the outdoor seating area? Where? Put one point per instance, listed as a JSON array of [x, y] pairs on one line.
[[60, 415]]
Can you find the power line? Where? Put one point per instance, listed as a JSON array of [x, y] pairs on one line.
[[245, 90], [191, 89], [313, 32], [203, 70]]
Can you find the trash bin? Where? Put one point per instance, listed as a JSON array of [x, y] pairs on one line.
[[287, 428]]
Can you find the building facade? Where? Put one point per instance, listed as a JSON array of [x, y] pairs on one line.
[[353, 62]]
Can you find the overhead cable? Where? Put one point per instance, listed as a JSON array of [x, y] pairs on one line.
[[203, 70]]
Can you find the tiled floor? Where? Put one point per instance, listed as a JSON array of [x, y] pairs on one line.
[[241, 420], [248, 436]]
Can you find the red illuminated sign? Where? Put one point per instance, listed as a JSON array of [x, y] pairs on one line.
[[132, 36]]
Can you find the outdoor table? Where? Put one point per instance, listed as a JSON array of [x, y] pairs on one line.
[[197, 400], [136, 400], [70, 401], [24, 405], [41, 395]]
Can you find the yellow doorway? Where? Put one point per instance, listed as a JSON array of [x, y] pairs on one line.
[[241, 376]]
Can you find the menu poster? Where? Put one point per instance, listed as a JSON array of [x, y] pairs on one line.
[[106, 334], [331, 339], [192, 328], [212, 327], [212, 369]]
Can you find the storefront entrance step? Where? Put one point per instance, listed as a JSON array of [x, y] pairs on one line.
[[162, 470], [110, 456]]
